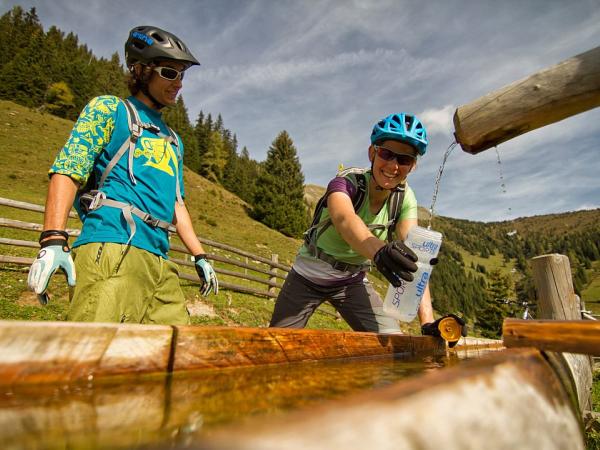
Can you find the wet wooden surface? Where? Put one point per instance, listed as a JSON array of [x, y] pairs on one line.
[[511, 399], [167, 411], [208, 347], [39, 352]]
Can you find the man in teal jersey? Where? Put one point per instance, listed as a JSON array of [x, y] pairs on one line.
[[123, 274], [333, 267]]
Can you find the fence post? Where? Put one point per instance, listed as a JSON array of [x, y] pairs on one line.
[[273, 278], [557, 301]]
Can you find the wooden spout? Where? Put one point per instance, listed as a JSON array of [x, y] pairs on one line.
[[553, 94]]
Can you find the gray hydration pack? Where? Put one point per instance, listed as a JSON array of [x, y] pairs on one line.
[[318, 227], [90, 197]]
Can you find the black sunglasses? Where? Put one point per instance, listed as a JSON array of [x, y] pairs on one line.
[[388, 155], [168, 73]]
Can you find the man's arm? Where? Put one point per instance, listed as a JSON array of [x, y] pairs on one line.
[[185, 230], [61, 193], [54, 253]]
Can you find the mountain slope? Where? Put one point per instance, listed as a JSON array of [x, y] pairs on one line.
[[472, 250]]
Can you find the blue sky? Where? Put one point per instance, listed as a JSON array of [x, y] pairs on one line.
[[326, 71]]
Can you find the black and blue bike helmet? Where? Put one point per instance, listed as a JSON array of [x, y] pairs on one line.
[[147, 44]]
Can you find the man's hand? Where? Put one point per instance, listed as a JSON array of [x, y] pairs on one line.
[[207, 275], [444, 328], [55, 254], [396, 262]]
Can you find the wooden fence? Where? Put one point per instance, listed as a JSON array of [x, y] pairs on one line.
[[268, 271]]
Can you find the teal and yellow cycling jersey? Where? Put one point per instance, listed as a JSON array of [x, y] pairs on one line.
[[97, 135]]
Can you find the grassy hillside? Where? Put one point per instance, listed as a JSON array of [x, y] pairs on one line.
[[29, 141]]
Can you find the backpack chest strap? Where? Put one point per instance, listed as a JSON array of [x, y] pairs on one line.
[[97, 199]]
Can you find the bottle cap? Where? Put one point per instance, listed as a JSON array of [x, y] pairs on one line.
[[450, 329]]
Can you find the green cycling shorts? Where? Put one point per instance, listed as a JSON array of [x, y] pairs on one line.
[[120, 284]]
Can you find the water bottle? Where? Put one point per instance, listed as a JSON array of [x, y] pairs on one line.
[[403, 302]]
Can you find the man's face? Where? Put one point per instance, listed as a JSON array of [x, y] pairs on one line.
[[162, 87]]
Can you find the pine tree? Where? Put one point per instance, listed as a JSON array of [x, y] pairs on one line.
[[213, 160], [491, 316], [59, 99], [279, 198]]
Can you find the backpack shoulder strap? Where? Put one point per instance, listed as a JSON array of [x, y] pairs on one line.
[[318, 226], [135, 131], [359, 180], [174, 139], [394, 209]]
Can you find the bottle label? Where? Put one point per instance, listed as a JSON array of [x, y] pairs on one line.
[[397, 294], [430, 247], [420, 287]]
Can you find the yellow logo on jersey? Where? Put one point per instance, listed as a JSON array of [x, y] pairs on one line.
[[159, 154]]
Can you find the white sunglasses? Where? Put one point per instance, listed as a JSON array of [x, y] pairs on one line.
[[168, 73]]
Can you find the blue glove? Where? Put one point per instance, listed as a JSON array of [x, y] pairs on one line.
[[207, 275], [55, 254]]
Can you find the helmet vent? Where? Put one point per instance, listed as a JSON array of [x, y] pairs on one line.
[[158, 37], [139, 45]]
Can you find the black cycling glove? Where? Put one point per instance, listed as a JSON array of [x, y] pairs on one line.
[[396, 262]]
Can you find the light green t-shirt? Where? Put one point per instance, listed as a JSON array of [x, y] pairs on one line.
[[333, 244]]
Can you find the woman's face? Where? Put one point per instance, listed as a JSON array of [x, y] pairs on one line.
[[392, 161]]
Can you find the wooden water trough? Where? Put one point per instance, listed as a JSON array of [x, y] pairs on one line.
[[131, 384]]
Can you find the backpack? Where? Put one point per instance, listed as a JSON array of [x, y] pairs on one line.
[[90, 197], [318, 227]]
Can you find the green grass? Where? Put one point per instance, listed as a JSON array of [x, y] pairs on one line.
[[30, 141], [591, 294], [593, 437]]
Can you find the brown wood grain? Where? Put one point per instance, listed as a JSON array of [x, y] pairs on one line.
[[39, 352], [572, 336], [553, 94], [201, 348]]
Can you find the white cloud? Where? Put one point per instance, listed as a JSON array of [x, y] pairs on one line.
[[438, 120], [326, 71]]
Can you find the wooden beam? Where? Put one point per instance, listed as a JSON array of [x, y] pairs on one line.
[[557, 301], [553, 94], [554, 285], [573, 336]]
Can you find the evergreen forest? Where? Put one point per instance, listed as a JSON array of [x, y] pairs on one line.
[[63, 75]]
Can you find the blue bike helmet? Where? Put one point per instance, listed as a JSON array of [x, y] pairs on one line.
[[404, 128]]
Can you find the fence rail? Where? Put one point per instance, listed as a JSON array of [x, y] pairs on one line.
[[274, 271]]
